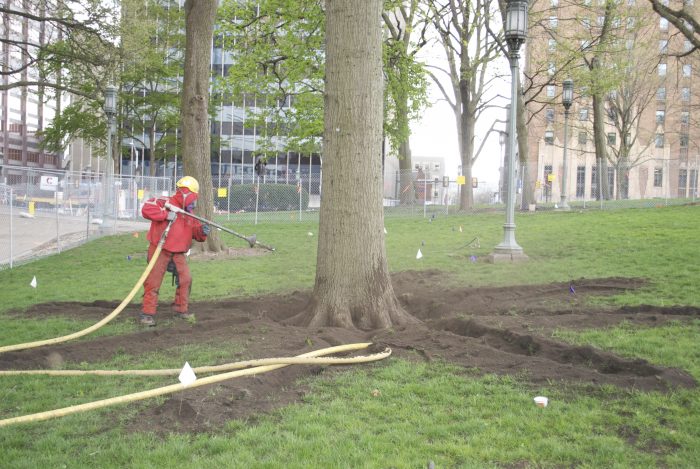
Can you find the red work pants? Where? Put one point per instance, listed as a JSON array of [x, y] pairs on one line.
[[154, 280]]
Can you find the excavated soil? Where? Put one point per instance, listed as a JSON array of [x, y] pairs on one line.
[[504, 330]]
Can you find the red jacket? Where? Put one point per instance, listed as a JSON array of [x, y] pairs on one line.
[[183, 230]]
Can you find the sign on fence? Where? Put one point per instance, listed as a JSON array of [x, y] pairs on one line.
[[48, 183]]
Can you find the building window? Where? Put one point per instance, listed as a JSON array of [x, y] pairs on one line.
[[685, 94], [554, 3], [662, 70], [685, 117], [694, 182], [549, 114], [612, 138], [14, 154], [549, 137], [583, 114], [660, 116], [663, 24], [658, 177], [683, 140], [552, 45], [661, 94], [659, 141], [582, 138], [553, 22], [663, 46], [687, 46], [586, 22], [551, 91], [687, 70], [551, 69], [580, 181], [630, 22]]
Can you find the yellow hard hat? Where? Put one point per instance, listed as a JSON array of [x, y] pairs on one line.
[[190, 183]]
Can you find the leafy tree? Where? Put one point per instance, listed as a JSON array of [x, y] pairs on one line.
[[70, 50], [279, 56], [151, 53], [405, 95], [591, 45]]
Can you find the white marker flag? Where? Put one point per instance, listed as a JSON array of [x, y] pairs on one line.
[[187, 375], [419, 255], [33, 282]]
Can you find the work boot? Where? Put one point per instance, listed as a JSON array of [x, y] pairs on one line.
[[184, 315], [147, 319]]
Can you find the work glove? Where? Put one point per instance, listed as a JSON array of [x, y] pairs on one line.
[[206, 229], [171, 216]]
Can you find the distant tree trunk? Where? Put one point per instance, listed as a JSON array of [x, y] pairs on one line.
[[407, 194], [600, 140], [467, 122], [353, 287], [199, 31], [528, 175]]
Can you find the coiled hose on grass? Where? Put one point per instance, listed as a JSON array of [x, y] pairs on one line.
[[282, 362]]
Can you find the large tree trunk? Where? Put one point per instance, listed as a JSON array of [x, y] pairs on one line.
[[353, 287], [199, 31]]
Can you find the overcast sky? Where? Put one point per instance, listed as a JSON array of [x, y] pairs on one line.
[[436, 133]]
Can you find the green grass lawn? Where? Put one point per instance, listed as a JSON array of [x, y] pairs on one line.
[[427, 412]]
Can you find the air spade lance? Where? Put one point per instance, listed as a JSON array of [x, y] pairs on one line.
[[251, 239]]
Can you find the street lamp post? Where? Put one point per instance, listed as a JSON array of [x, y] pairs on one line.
[[110, 108], [567, 97], [515, 34]]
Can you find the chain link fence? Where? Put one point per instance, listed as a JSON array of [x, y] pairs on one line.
[[259, 199], [44, 212]]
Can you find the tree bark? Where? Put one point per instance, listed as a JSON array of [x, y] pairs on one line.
[[196, 138], [353, 287]]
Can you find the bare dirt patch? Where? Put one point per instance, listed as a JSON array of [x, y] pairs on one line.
[[504, 330]]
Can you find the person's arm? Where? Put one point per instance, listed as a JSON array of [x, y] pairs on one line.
[[154, 210]]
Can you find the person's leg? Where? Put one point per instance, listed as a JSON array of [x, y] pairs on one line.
[[152, 285], [182, 293]]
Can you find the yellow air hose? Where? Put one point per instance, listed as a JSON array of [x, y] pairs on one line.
[[105, 320], [180, 387], [301, 360]]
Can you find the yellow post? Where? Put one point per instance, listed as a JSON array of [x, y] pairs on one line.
[[31, 208]]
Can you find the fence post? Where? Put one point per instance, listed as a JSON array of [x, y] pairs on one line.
[[11, 230], [257, 198], [58, 230]]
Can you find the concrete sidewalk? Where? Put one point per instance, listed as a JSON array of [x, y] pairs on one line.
[[23, 238]]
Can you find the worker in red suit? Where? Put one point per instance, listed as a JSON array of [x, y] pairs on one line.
[[172, 256]]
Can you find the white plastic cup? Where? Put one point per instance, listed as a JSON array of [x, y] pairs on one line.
[[541, 401]]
